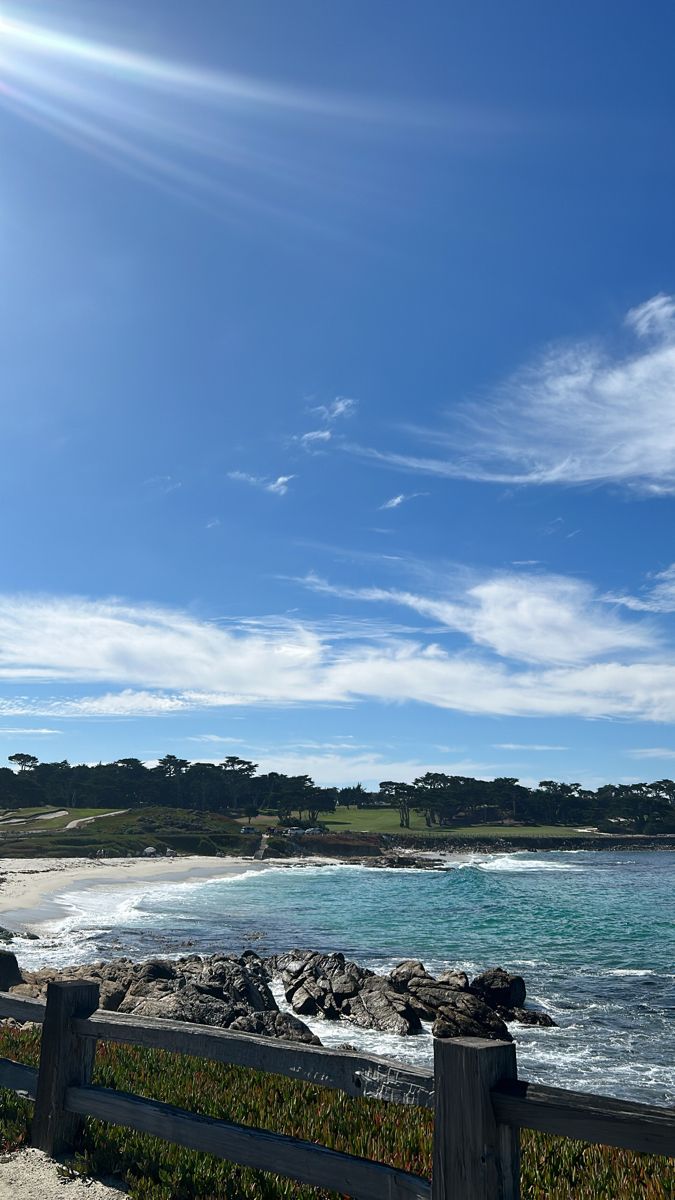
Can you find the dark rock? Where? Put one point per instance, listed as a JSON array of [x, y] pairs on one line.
[[10, 974], [403, 972], [6, 935], [378, 1006], [276, 1024], [499, 989], [189, 1004], [319, 984], [528, 1016], [425, 994], [111, 995], [467, 1016], [243, 982], [455, 979], [156, 968]]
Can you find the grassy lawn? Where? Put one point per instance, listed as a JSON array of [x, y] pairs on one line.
[[552, 1168], [128, 833], [36, 820], [210, 833], [385, 820]]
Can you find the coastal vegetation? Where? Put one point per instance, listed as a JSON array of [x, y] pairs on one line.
[[235, 789], [552, 1168]]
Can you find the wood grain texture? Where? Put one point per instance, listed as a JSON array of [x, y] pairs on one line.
[[475, 1157], [353, 1073], [302, 1161], [21, 1008], [65, 1059], [622, 1123], [18, 1077]]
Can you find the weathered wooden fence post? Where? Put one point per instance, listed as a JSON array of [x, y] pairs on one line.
[[475, 1158], [66, 1060]]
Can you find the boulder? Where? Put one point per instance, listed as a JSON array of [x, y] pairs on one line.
[[276, 1024], [455, 979], [403, 972], [467, 1016], [499, 989], [242, 981], [189, 1004], [528, 1016], [319, 984], [9, 971], [378, 1006], [425, 994]]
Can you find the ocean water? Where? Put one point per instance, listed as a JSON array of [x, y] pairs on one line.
[[593, 934]]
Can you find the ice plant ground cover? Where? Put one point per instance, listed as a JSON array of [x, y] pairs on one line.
[[552, 1168]]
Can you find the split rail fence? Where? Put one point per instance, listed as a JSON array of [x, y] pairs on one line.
[[478, 1101]]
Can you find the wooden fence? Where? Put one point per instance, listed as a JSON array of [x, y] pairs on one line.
[[478, 1101]]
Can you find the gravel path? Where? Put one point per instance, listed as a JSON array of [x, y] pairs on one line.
[[30, 1175]]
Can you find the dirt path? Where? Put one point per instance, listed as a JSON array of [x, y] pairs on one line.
[[30, 1175], [99, 817]]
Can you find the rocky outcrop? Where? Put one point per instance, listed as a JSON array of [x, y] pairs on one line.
[[332, 987], [219, 990], [318, 984], [276, 1024], [466, 1016], [10, 974], [229, 992], [499, 989]]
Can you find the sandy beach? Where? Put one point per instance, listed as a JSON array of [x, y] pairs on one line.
[[29, 889]]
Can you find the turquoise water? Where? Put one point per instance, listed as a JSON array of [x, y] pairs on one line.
[[592, 933]]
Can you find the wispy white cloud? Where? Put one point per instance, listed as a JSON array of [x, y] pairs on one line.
[[339, 766], [314, 438], [215, 739], [654, 318], [108, 658], [278, 486], [341, 406], [527, 746], [652, 752], [658, 596], [162, 485], [401, 498], [531, 618], [582, 413], [7, 731]]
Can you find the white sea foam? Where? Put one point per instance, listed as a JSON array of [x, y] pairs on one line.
[[513, 863]]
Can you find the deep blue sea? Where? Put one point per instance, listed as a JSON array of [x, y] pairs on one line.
[[593, 934]]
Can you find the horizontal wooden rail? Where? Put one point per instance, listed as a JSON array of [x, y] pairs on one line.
[[19, 1078], [21, 1008], [303, 1161], [479, 1103], [353, 1073], [630, 1126]]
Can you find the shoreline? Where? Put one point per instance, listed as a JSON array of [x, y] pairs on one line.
[[30, 889], [29, 894]]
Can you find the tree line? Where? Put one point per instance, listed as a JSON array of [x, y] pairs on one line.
[[234, 786]]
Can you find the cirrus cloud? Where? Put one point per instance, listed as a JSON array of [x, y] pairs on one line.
[[74, 657], [581, 413]]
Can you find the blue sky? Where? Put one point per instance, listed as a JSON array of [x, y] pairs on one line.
[[337, 368]]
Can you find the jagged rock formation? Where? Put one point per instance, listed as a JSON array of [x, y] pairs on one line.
[[228, 992]]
